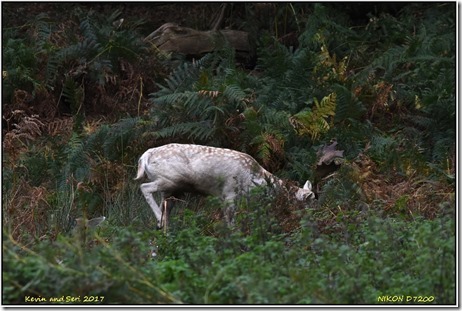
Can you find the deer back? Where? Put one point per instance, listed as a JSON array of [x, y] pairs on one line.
[[201, 168]]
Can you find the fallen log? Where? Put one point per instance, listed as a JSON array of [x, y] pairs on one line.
[[171, 37]]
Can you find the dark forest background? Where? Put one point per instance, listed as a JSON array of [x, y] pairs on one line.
[[84, 95]]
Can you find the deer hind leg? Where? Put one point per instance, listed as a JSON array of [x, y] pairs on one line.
[[148, 189]]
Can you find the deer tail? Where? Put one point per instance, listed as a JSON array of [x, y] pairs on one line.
[[141, 166]]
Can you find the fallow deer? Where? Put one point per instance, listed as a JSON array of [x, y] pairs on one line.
[[225, 173]]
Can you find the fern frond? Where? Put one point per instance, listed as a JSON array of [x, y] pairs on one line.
[[176, 98], [59, 126], [348, 106], [234, 93], [316, 121], [77, 160], [387, 61], [383, 148], [201, 131], [43, 30], [210, 94], [181, 79], [269, 149], [88, 29], [120, 137], [73, 93]]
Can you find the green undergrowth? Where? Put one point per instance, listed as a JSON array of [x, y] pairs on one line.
[[367, 257]]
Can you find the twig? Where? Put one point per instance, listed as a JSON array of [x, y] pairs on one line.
[[220, 18]]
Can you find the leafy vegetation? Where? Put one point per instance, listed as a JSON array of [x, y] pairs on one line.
[[84, 96]]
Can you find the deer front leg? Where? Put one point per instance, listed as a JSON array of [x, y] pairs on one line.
[[148, 189], [230, 210]]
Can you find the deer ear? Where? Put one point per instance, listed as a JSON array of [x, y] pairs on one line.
[[307, 185]]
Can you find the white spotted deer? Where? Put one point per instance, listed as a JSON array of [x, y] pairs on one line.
[[225, 173]]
